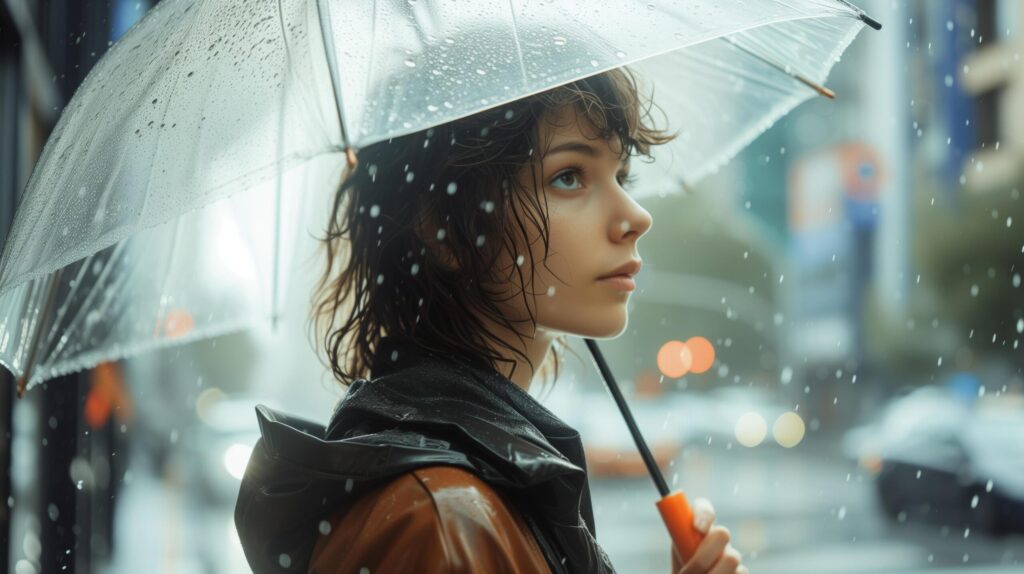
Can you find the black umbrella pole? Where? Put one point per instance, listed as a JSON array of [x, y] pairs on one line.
[[674, 508], [638, 438]]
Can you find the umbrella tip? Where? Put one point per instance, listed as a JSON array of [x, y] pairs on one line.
[[350, 157], [871, 21]]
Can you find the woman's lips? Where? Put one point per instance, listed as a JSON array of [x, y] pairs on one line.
[[621, 282]]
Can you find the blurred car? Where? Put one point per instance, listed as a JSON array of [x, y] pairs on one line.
[[941, 459]]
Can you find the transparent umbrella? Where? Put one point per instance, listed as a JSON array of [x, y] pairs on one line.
[[169, 196]]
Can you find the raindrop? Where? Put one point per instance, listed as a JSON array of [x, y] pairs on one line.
[[551, 291], [487, 206], [1009, 221], [174, 436], [479, 240], [974, 290], [988, 486], [559, 40], [409, 177], [1020, 325], [842, 512], [440, 234], [520, 259], [974, 501], [415, 268], [481, 72], [594, 63], [949, 25], [364, 570], [53, 512], [374, 210], [409, 63], [284, 560], [348, 485], [452, 188], [949, 83], [939, 362], [620, 54], [431, 108], [380, 278], [324, 527]]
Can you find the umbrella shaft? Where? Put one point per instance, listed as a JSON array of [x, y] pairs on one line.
[[641, 444]]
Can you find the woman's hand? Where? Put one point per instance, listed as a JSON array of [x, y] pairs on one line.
[[714, 555]]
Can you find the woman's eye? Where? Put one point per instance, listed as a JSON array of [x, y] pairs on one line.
[[568, 178]]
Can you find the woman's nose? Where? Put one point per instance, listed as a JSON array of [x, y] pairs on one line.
[[632, 221]]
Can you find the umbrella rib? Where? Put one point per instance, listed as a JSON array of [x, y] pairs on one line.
[[519, 48], [795, 75], [323, 13]]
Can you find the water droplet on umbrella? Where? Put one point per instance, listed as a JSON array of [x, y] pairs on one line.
[[410, 63]]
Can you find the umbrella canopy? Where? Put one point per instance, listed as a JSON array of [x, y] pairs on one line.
[[207, 103]]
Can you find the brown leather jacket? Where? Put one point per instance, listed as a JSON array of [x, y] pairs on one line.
[[348, 496], [439, 519]]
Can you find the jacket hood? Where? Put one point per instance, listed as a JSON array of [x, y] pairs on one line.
[[419, 409]]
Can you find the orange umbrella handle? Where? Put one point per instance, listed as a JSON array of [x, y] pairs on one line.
[[678, 517]]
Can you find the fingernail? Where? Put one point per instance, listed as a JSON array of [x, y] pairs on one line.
[[703, 522]]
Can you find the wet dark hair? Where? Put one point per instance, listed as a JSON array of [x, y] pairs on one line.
[[454, 185]]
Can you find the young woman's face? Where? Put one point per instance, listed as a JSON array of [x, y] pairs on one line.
[[593, 228]]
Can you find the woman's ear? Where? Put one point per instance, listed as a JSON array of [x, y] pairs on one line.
[[435, 238]]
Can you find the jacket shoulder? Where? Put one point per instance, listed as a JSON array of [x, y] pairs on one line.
[[438, 519]]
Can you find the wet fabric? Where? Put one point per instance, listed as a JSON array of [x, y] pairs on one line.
[[417, 410]]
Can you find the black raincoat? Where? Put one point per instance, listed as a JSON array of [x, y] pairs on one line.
[[419, 409]]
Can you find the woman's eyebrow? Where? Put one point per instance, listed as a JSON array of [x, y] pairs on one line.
[[579, 147]]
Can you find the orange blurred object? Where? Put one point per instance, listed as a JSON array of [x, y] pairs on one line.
[[648, 384], [674, 359], [176, 323], [107, 395], [703, 354]]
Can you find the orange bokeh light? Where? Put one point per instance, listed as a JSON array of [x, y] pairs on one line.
[[703, 354], [674, 359]]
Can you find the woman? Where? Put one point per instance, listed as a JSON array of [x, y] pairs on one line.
[[460, 257]]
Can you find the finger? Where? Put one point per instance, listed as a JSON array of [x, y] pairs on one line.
[[728, 562], [703, 514], [708, 552]]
